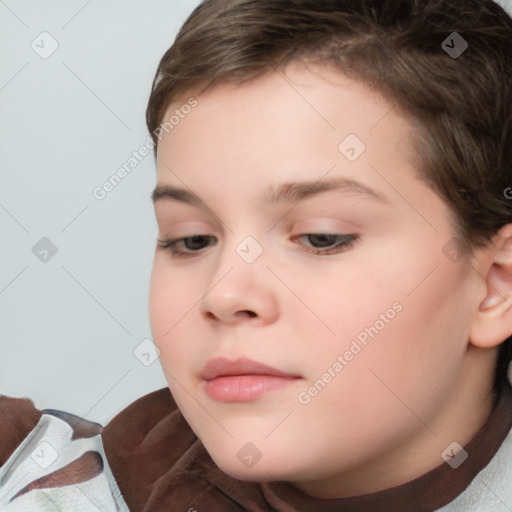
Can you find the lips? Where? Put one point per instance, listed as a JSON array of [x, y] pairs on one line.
[[242, 380], [221, 367]]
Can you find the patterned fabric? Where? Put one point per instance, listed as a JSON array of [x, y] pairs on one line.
[[60, 466], [55, 461], [179, 475]]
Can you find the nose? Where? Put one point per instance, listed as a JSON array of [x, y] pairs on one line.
[[240, 292], [242, 314]]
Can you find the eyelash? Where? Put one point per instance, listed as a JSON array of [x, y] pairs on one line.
[[345, 242]]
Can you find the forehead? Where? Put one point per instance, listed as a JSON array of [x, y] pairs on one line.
[[285, 122], [320, 94]]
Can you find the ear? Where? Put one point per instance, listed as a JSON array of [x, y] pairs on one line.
[[492, 323]]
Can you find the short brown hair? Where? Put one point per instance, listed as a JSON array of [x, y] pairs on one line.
[[463, 102]]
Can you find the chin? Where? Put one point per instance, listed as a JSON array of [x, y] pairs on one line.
[[248, 475], [241, 467]]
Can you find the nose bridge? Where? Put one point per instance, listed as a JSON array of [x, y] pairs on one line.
[[240, 280], [243, 241], [240, 261]]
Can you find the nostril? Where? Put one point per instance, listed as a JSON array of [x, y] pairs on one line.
[[247, 312]]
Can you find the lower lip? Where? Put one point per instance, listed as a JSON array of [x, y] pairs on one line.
[[243, 388]]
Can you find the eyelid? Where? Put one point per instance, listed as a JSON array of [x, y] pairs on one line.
[[345, 242], [302, 227], [169, 244], [325, 225]]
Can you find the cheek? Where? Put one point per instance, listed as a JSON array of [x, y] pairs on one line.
[[437, 323], [346, 298], [171, 301], [399, 320], [161, 303], [416, 356], [403, 371]]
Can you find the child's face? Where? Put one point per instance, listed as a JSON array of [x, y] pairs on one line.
[[394, 291]]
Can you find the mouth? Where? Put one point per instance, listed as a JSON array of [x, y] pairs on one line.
[[242, 380]]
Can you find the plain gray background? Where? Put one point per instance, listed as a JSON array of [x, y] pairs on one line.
[[69, 120]]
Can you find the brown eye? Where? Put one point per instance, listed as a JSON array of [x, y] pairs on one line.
[[325, 243], [193, 244]]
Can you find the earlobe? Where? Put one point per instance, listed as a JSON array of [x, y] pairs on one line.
[[492, 323]]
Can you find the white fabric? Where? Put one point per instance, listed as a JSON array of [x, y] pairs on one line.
[[101, 493], [491, 489]]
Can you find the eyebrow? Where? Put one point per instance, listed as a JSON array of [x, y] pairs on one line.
[[285, 192]]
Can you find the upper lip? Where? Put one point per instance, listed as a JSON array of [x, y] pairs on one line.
[[220, 366]]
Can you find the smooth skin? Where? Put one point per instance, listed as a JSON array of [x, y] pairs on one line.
[[422, 383]]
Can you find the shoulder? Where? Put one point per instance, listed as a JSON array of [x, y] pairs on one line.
[[44, 454], [148, 422], [490, 489], [146, 440], [146, 458], [18, 417], [160, 464], [145, 416]]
